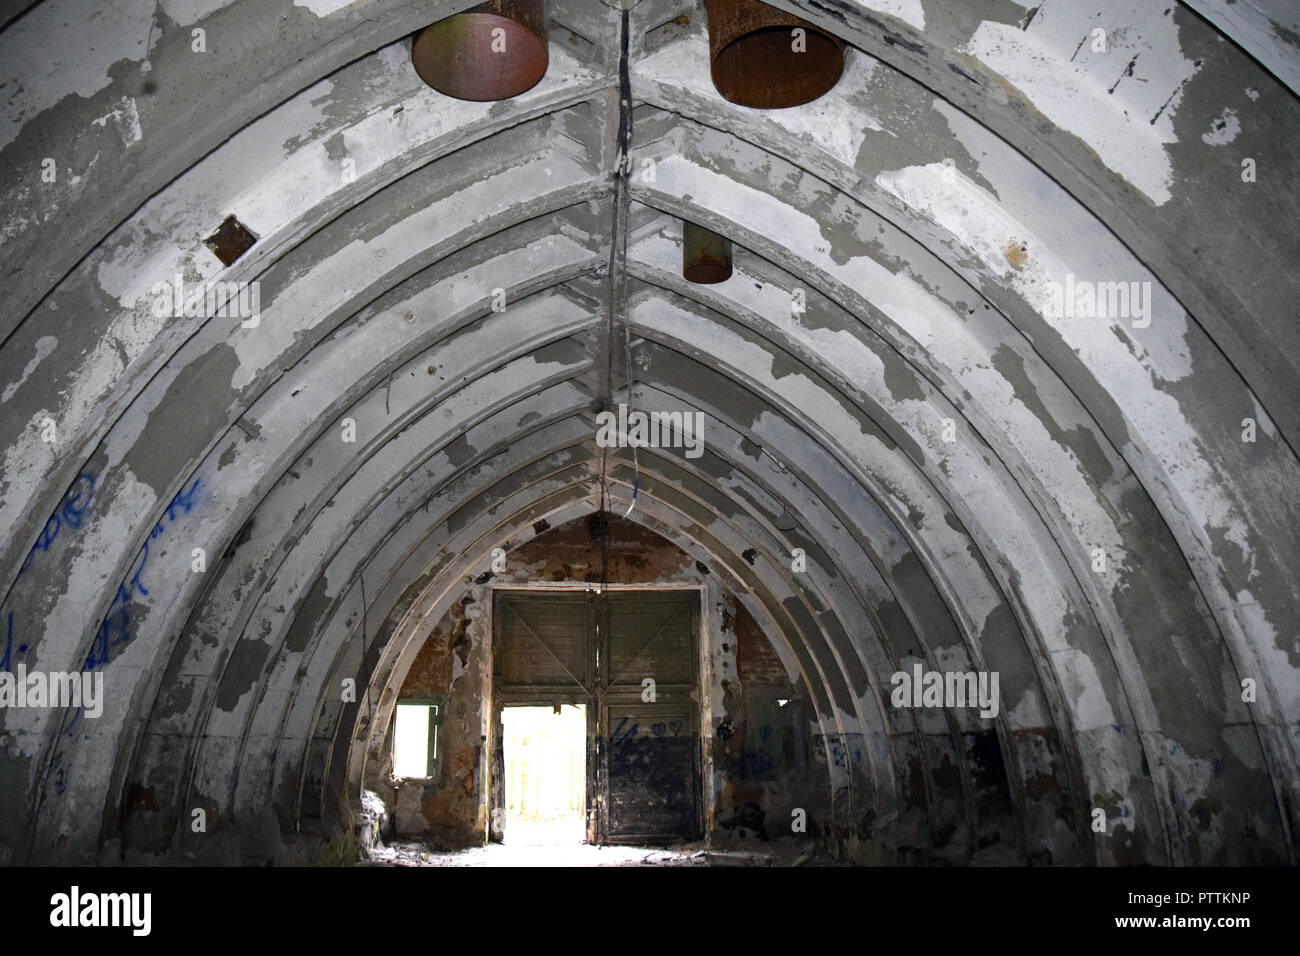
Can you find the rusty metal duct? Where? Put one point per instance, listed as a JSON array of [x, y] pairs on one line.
[[706, 256], [493, 51], [766, 58]]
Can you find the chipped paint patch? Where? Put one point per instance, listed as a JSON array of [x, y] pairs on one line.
[[1224, 129], [832, 122], [49, 49], [185, 12], [962, 208], [126, 118], [325, 8], [23, 468], [44, 346]]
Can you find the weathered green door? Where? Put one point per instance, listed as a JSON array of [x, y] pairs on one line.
[[648, 714], [633, 657]]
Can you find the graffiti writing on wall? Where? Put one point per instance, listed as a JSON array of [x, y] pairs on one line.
[[751, 765], [840, 750], [115, 629], [6, 662], [67, 515], [659, 760]]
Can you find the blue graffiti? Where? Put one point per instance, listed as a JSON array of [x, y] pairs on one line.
[[115, 629], [620, 735], [68, 514], [6, 662], [841, 750], [751, 765], [656, 764], [184, 501], [630, 756]]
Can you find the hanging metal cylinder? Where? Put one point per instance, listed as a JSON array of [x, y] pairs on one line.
[[493, 51], [706, 256], [769, 59]]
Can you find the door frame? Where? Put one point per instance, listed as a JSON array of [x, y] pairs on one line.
[[597, 755]]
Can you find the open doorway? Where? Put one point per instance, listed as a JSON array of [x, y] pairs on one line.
[[545, 751], [625, 663]]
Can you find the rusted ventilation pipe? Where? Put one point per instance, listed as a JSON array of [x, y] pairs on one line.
[[493, 51], [769, 59], [706, 256]]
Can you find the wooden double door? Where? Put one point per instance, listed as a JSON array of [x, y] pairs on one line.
[[632, 658]]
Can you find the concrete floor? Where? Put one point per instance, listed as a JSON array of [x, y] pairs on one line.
[[584, 854]]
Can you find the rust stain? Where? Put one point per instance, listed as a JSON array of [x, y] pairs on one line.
[[1016, 252], [142, 798]]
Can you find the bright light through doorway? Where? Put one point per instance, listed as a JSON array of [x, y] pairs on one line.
[[545, 764]]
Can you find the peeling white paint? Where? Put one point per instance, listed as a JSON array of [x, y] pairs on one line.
[[1275, 664], [186, 12], [68, 625], [835, 123], [1029, 711], [1060, 237], [910, 12], [1082, 688], [126, 117], [319, 293], [44, 346], [1224, 130], [325, 8], [64, 48], [831, 122], [1121, 103], [26, 461], [1261, 417], [1264, 28]]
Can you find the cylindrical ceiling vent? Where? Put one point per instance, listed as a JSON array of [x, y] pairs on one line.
[[769, 59], [493, 51], [706, 256]]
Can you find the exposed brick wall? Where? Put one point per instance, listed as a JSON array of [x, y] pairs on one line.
[[757, 762], [572, 552], [756, 661], [449, 813]]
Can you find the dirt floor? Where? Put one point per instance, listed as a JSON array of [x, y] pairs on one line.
[[518, 854]]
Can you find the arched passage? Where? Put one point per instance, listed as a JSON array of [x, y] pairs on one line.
[[230, 516]]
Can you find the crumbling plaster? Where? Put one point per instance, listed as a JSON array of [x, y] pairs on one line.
[[923, 206]]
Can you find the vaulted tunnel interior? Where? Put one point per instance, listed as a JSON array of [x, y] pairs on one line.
[[309, 369]]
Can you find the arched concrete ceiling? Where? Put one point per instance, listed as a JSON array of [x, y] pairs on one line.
[[1067, 501]]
